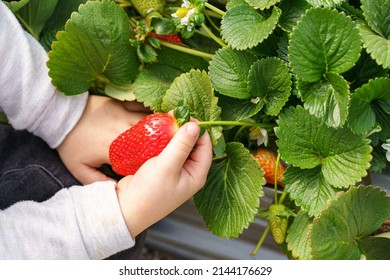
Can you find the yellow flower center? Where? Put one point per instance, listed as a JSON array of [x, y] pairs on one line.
[[181, 12]]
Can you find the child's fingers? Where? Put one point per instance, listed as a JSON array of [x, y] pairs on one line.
[[179, 148], [199, 162]]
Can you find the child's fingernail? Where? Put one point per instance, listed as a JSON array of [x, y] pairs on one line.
[[193, 129]]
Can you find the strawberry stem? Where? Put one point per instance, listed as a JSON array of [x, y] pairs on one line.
[[282, 197], [276, 174], [212, 35], [212, 14], [212, 23], [235, 123], [261, 240], [186, 50], [215, 9]]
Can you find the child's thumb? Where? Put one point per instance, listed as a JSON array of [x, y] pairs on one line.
[[181, 145]]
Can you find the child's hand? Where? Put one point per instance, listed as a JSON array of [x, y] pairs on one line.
[[86, 147], [165, 182]]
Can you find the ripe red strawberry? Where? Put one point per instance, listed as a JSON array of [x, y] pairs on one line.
[[267, 160], [144, 140], [173, 38]]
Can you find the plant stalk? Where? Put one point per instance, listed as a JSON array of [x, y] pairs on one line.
[[261, 240], [276, 172], [215, 9], [212, 35], [235, 123], [212, 14], [212, 23], [186, 50]]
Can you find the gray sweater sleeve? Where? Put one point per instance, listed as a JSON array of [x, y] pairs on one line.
[[76, 223], [27, 96], [79, 222]]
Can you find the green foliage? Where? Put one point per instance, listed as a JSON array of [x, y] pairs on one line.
[[297, 236], [229, 201], [353, 216], [376, 31], [34, 13], [306, 143], [323, 41], [243, 27], [269, 79], [229, 72], [93, 49], [370, 106], [196, 90], [57, 21], [313, 74]]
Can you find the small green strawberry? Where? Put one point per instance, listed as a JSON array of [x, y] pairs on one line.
[[144, 140], [279, 228], [144, 7], [278, 216]]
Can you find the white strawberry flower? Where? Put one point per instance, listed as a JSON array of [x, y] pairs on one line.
[[186, 4], [184, 13], [386, 146], [259, 134]]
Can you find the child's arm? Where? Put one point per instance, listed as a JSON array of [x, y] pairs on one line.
[[88, 222], [27, 96]]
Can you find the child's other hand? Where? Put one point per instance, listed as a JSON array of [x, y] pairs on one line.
[[165, 182], [86, 147]]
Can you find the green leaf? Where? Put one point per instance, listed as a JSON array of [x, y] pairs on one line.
[[352, 216], [163, 26], [270, 80], [379, 161], [308, 188], [57, 21], [327, 99], [196, 89], [152, 83], [229, 201], [243, 27], [377, 46], [35, 14], [323, 41], [155, 79], [375, 248], [325, 3], [370, 106], [94, 48], [146, 53], [292, 11], [262, 4], [305, 142], [120, 92], [229, 72], [231, 3], [297, 236], [15, 6], [377, 15], [238, 109], [364, 70]]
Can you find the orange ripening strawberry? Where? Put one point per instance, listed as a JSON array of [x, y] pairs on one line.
[[267, 160], [144, 140], [173, 38]]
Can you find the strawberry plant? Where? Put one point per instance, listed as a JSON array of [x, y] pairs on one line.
[[308, 78]]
